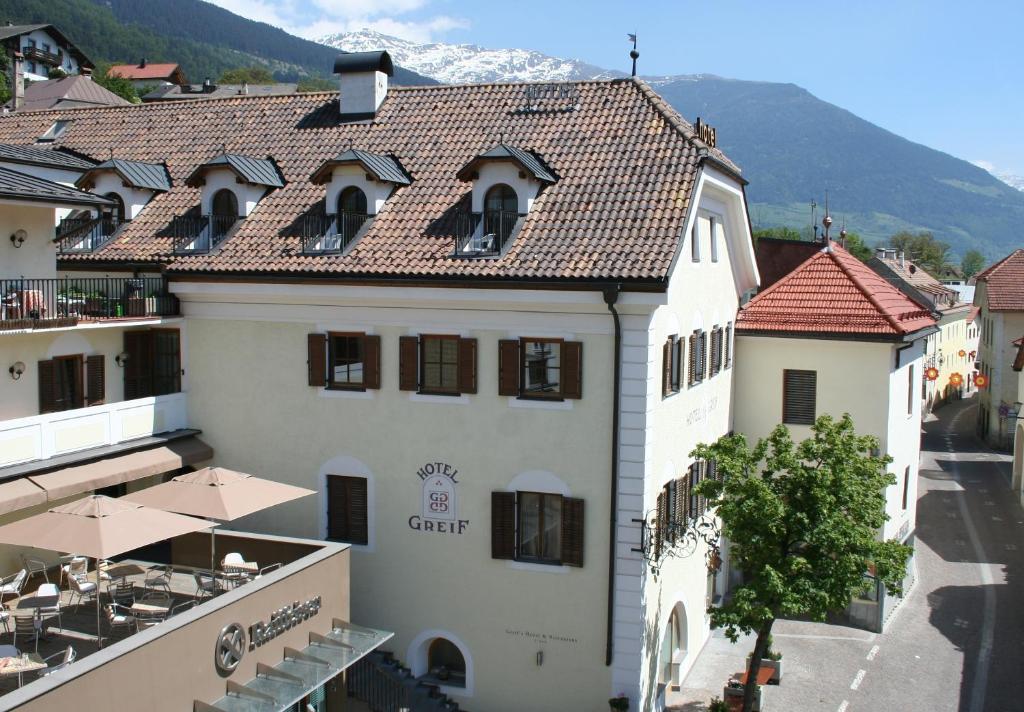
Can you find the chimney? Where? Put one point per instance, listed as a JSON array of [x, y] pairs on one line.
[[902, 263], [85, 72], [881, 253], [208, 86], [245, 88], [18, 83], [362, 83], [142, 63]]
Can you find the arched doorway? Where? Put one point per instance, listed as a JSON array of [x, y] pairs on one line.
[[673, 647], [440, 658], [224, 212], [446, 663], [501, 210], [351, 212], [118, 210]]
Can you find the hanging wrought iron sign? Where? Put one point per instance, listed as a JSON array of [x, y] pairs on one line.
[[678, 540]]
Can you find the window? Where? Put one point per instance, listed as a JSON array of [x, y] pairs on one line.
[[117, 212], [540, 368], [537, 527], [799, 396], [223, 211], [58, 127], [695, 241], [501, 211], [716, 350], [673, 643], [698, 357], [910, 390], [343, 360], [61, 384], [727, 346], [672, 357], [346, 355], [351, 213], [346, 509], [437, 364], [153, 367], [31, 67], [445, 663], [906, 485], [713, 232]]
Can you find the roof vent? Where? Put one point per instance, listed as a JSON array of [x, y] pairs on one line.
[[363, 83], [142, 63]]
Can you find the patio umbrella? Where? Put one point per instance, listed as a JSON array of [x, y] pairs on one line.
[[218, 494], [99, 527]]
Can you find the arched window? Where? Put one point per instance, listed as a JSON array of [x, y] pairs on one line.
[[118, 210], [445, 663], [351, 213], [501, 210], [224, 211], [672, 644]]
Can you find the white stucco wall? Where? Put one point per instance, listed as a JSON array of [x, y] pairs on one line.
[[362, 92], [345, 176], [222, 178], [135, 199], [999, 329], [509, 173], [41, 37], [37, 256]]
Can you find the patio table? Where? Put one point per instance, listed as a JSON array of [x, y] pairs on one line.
[[120, 571], [20, 664], [151, 609], [31, 602]]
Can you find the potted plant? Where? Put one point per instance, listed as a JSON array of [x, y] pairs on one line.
[[717, 704], [734, 691], [96, 303], [772, 660], [619, 703]]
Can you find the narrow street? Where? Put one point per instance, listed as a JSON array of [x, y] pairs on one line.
[[956, 643]]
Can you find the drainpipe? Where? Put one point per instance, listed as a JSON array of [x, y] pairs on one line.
[[611, 296]]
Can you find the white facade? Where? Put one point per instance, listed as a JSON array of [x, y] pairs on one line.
[[36, 70], [999, 329]]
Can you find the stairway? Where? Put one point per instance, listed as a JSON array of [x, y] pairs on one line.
[[385, 685]]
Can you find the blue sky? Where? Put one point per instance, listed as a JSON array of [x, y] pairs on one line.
[[949, 75]]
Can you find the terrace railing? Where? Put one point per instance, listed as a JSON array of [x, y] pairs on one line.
[[30, 303], [37, 54], [330, 234], [484, 234], [83, 235], [198, 235]]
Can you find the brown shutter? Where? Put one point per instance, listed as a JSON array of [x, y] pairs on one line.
[[691, 364], [684, 490], [681, 494], [503, 525], [138, 370], [572, 369], [371, 361], [702, 365], [96, 384], [316, 361], [347, 509], [666, 369], [408, 362], [467, 365], [799, 396], [727, 346], [572, 531], [508, 367], [702, 501], [47, 387], [659, 530], [357, 506]]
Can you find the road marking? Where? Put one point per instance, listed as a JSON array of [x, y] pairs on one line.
[[961, 623], [872, 653], [989, 503], [858, 679], [842, 706], [960, 542], [996, 519], [1011, 547], [824, 637]]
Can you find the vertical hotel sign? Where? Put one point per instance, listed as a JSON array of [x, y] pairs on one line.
[[439, 503]]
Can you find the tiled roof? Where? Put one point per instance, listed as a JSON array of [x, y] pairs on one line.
[[526, 160], [68, 93], [151, 176], [1004, 283], [626, 164], [45, 157], [21, 186], [384, 168], [833, 293], [150, 71], [174, 92], [917, 277], [258, 171]]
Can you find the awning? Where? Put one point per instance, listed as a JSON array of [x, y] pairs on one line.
[[126, 468], [19, 494], [278, 688]]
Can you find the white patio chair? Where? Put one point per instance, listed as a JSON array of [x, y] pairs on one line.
[[206, 584], [234, 572], [66, 658], [76, 566], [50, 589], [267, 569], [158, 577], [120, 618], [12, 585], [36, 567], [25, 628], [82, 588]]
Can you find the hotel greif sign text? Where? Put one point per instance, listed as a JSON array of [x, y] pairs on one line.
[[439, 504], [281, 620]]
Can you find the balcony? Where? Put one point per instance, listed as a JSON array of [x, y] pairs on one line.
[[331, 234], [67, 301], [35, 54], [40, 437], [484, 234], [85, 235], [199, 235]]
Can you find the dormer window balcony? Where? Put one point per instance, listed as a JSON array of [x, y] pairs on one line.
[[331, 234], [77, 235], [484, 234], [198, 235]]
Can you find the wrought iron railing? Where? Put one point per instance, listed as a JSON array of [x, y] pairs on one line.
[[327, 234], [78, 235], [25, 302], [194, 235], [38, 54], [484, 234]]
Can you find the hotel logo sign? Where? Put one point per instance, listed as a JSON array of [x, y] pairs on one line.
[[281, 620], [438, 500], [230, 648]]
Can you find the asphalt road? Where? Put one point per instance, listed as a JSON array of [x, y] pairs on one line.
[[957, 641]]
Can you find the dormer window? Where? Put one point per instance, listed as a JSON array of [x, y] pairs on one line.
[[57, 128], [506, 181], [359, 183], [224, 213]]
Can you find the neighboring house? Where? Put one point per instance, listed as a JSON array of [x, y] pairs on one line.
[[489, 360], [148, 75], [209, 90], [68, 93], [1016, 418], [833, 337], [949, 351], [1000, 295], [43, 47]]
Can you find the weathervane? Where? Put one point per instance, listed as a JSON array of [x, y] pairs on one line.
[[633, 54]]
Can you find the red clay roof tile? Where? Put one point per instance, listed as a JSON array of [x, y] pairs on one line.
[[1004, 283]]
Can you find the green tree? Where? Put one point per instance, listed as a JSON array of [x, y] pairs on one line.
[[777, 233], [5, 87], [247, 75], [316, 84], [118, 85], [972, 263], [802, 520], [923, 249], [856, 247], [56, 73]]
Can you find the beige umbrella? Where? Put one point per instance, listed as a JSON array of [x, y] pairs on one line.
[[99, 527], [218, 494]]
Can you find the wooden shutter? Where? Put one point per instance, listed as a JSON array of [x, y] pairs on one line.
[[508, 367], [358, 520], [347, 504], [503, 525], [716, 350], [681, 494], [702, 501], [572, 531], [371, 361], [691, 364], [702, 364], [467, 365], [96, 385], [572, 369], [799, 396], [666, 369], [408, 362], [316, 361], [727, 347], [47, 387], [659, 530], [138, 370]]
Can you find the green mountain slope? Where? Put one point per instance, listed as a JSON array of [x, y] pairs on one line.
[[203, 38], [793, 146]]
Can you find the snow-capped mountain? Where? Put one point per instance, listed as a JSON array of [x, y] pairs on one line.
[[1014, 181], [465, 63]]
